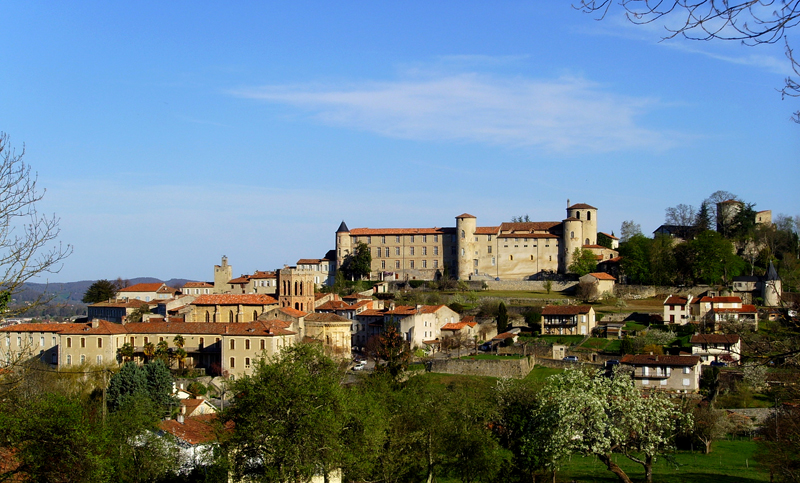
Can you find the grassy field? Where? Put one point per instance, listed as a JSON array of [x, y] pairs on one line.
[[540, 373], [514, 294], [730, 461]]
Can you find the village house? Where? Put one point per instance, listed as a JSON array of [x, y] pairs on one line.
[[717, 348], [147, 292], [713, 310], [229, 308], [567, 320], [22, 342], [418, 324], [667, 373], [116, 311], [603, 282], [197, 288], [677, 309]]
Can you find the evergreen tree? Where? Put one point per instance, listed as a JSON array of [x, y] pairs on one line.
[[703, 220], [99, 291], [502, 318]]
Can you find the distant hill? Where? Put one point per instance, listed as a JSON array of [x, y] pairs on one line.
[[72, 292]]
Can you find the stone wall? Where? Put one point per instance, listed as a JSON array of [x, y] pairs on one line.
[[528, 285], [517, 368], [647, 291], [559, 364]]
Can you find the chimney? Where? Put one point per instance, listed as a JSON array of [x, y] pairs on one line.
[[180, 418], [419, 309], [226, 331], [95, 323]]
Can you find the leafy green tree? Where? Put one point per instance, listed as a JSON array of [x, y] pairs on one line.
[[99, 291], [635, 254], [583, 262], [604, 240], [628, 230], [597, 415], [548, 286], [502, 318], [138, 314], [53, 438], [779, 445], [661, 258], [152, 381], [149, 350], [358, 264], [125, 353], [713, 259], [626, 346], [289, 418]]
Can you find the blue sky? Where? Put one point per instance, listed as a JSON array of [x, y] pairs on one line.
[[170, 134]]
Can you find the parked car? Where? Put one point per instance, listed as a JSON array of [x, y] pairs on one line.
[[360, 365], [719, 364], [486, 346], [611, 363], [570, 359]]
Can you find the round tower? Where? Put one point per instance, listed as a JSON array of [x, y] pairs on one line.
[[587, 214], [343, 244], [465, 243], [573, 238]]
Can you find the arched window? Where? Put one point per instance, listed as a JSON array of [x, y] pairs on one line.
[[587, 242], [255, 314], [297, 305], [589, 216], [578, 215], [295, 288], [208, 316], [572, 234], [233, 344], [230, 316], [463, 234]]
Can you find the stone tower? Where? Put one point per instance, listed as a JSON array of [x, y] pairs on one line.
[[222, 275], [572, 239], [296, 289], [772, 288], [343, 244], [587, 214], [465, 244]]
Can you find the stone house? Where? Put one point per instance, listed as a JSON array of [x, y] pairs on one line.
[[677, 309], [197, 288], [230, 308], [603, 281], [567, 320], [714, 310], [418, 324], [717, 347], [667, 373], [21, 342], [147, 292], [94, 343], [116, 311]]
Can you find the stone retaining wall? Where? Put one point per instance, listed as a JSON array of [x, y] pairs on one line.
[[647, 291], [516, 368], [559, 364], [528, 285]]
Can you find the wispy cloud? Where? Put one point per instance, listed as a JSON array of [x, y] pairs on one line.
[[566, 114]]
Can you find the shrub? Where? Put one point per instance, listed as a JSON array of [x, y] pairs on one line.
[[197, 388]]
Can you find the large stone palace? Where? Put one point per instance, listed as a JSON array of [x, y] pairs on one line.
[[512, 251]]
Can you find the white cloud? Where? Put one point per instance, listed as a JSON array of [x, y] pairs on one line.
[[566, 114]]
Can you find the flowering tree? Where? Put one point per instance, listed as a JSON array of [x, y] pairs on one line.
[[595, 415]]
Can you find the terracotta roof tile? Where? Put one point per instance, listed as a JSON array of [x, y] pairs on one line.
[[194, 430], [131, 304], [486, 230], [720, 300], [565, 309], [56, 328], [458, 325], [198, 285], [528, 226], [608, 235], [258, 328], [235, 299], [334, 305], [602, 276], [293, 312], [400, 231], [318, 317], [142, 287], [648, 360], [676, 300], [465, 215], [582, 206], [104, 327]]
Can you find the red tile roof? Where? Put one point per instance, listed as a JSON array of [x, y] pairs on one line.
[[258, 328], [400, 231], [648, 360], [143, 287], [293, 312], [311, 261], [504, 335], [595, 247], [104, 327], [318, 317], [458, 325], [486, 230], [582, 206], [234, 299], [565, 309], [242, 279], [676, 300], [194, 430], [130, 304], [528, 226], [412, 310], [263, 274], [715, 339], [465, 215], [602, 276], [744, 309], [56, 328], [610, 236], [334, 305], [198, 285], [720, 300]]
